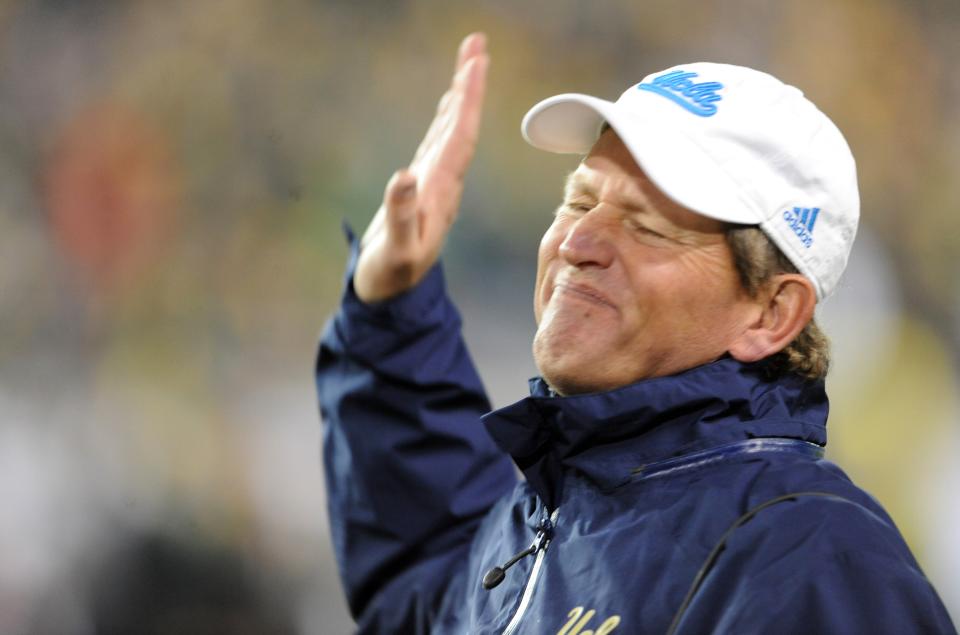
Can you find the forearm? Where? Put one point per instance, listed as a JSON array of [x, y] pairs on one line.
[[409, 469]]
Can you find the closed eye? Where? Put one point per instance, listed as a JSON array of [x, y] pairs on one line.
[[643, 229], [576, 208]]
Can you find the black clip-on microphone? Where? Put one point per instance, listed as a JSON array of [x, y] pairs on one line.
[[495, 576]]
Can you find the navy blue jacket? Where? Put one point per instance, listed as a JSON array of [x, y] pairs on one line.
[[673, 492]]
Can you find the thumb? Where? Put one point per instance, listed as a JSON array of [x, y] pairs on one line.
[[401, 203]]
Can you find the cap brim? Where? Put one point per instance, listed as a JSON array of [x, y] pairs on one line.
[[570, 123]]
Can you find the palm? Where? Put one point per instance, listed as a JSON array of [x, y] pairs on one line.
[[406, 235]]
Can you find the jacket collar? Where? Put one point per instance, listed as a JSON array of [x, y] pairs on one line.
[[606, 435]]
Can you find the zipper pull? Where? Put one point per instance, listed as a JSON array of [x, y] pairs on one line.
[[495, 576]]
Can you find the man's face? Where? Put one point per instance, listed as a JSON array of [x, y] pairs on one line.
[[630, 284]]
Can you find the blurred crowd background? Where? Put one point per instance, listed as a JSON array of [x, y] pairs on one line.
[[173, 178]]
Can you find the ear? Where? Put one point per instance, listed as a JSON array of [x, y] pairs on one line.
[[784, 308]]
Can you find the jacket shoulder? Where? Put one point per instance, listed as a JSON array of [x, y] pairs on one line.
[[830, 562]]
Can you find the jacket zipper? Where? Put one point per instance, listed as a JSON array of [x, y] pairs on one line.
[[540, 543]]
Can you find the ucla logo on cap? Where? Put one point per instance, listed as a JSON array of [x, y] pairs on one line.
[[801, 220], [678, 86]]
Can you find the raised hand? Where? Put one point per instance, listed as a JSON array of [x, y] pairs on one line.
[[421, 202]]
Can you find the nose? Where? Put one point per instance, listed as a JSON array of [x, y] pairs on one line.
[[588, 241]]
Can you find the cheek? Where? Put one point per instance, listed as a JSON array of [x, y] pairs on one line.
[[710, 304], [546, 257], [693, 294], [714, 274]]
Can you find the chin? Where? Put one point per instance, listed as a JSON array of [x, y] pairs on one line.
[[575, 383], [576, 355], [564, 373], [567, 389]]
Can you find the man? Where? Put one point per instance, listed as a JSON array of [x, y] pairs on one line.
[[672, 448]]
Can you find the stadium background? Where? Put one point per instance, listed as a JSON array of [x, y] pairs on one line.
[[173, 177]]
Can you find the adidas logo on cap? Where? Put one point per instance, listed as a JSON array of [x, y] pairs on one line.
[[801, 221]]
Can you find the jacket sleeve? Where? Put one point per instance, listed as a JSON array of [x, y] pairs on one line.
[[409, 470], [818, 567]]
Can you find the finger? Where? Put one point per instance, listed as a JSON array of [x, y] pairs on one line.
[[452, 95], [474, 92], [471, 46], [461, 136], [442, 122], [401, 204], [459, 120], [439, 120]]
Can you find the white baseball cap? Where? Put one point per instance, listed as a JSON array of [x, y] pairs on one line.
[[731, 143]]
